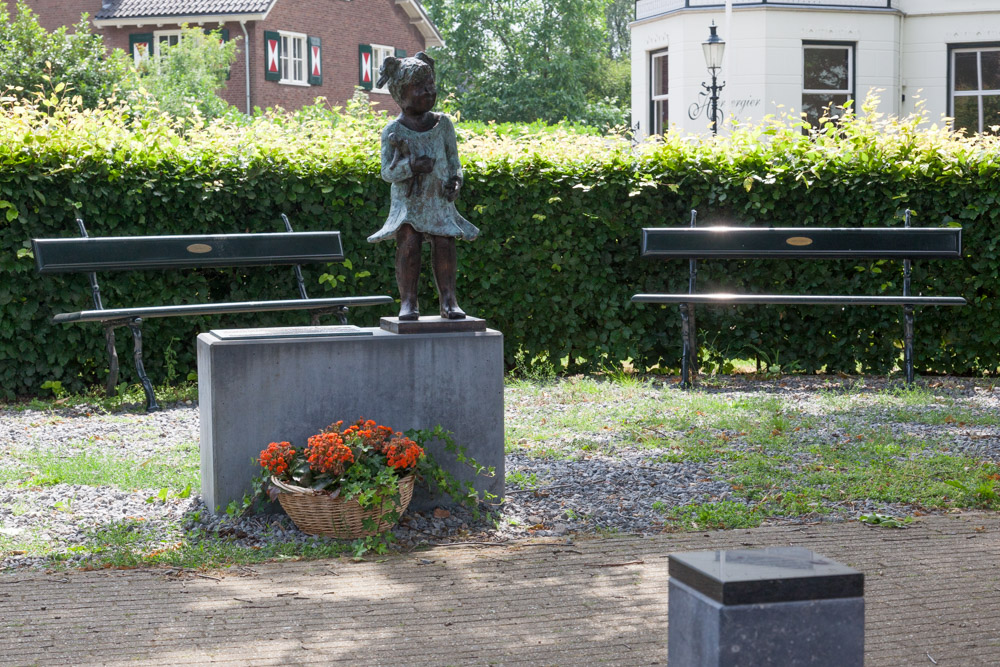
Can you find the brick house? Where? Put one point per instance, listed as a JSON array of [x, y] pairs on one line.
[[290, 51]]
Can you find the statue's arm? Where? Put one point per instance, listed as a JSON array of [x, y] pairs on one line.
[[393, 171], [451, 151]]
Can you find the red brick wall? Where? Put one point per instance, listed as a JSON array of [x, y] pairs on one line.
[[235, 90], [341, 26], [55, 13]]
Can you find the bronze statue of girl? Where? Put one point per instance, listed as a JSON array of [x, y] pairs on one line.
[[420, 160]]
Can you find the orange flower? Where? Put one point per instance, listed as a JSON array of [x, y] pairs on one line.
[[277, 457], [403, 453], [327, 453]]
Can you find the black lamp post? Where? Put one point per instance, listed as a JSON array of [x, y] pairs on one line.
[[714, 48]]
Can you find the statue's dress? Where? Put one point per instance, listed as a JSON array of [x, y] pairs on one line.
[[419, 201]]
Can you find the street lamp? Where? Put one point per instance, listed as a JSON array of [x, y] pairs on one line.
[[714, 48]]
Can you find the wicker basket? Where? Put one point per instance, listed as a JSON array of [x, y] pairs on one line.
[[316, 513]]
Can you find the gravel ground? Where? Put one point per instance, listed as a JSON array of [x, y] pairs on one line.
[[583, 483]]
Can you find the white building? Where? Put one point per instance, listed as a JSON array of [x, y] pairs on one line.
[[803, 55]]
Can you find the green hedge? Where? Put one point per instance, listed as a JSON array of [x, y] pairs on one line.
[[557, 261]]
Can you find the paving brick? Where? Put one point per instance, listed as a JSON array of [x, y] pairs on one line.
[[930, 591]]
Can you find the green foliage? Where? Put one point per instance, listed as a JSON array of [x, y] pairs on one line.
[[982, 494], [33, 60], [618, 15], [561, 213], [185, 79], [523, 60], [439, 481]]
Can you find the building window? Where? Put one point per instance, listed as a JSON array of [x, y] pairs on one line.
[[379, 54], [827, 80], [293, 58], [659, 90], [975, 88], [162, 38]]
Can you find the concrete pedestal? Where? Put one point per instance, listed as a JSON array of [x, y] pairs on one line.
[[781, 607], [265, 385]]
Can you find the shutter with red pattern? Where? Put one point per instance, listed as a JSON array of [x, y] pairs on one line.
[[315, 61], [140, 45], [272, 56], [366, 60]]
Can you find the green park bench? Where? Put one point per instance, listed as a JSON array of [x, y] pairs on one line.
[[692, 243], [134, 253]]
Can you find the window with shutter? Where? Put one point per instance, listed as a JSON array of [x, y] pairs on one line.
[[140, 45], [272, 56], [365, 79], [293, 58], [315, 61]]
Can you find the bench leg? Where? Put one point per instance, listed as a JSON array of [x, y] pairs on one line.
[[908, 343], [147, 386], [109, 342], [689, 338]]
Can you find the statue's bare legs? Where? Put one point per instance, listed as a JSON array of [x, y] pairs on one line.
[[408, 246], [444, 260]]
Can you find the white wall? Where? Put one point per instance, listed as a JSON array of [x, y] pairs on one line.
[[897, 51], [929, 28]]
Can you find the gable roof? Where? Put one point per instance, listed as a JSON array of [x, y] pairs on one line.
[[177, 9], [419, 18], [118, 13]]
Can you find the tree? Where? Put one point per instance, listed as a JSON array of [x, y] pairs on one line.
[[34, 60], [618, 15], [185, 78], [523, 60]]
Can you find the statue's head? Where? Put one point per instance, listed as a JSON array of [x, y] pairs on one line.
[[398, 73]]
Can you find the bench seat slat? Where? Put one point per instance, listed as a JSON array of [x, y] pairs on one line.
[[779, 299], [802, 242], [128, 253], [219, 308]]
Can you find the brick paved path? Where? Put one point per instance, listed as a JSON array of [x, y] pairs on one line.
[[932, 595]]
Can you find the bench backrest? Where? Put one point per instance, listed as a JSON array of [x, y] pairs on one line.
[[815, 242], [113, 253]]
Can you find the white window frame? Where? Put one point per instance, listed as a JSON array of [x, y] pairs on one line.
[[845, 46], [379, 53], [288, 59], [654, 118], [167, 34], [979, 93]]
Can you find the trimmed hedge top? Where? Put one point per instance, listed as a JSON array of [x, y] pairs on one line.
[[557, 261]]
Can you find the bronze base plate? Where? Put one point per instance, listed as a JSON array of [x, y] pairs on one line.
[[433, 324]]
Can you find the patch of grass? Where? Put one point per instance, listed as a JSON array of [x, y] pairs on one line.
[[721, 515], [548, 453], [94, 469], [693, 446], [126, 397], [877, 465], [124, 544]]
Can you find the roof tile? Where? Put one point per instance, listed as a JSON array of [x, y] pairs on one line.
[[121, 9]]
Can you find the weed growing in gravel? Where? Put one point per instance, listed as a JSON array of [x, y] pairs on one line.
[[94, 469], [520, 480], [714, 516], [984, 494], [693, 446], [124, 544]]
